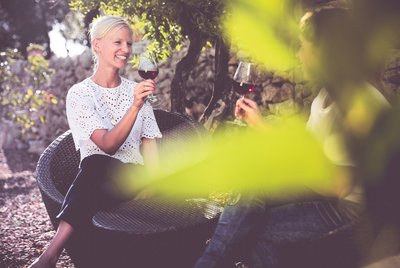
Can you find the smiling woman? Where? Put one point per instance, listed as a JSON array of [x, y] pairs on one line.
[[112, 50]]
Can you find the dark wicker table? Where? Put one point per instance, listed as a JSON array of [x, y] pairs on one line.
[[154, 232], [157, 215]]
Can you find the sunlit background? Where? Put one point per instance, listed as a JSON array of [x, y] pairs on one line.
[[60, 46]]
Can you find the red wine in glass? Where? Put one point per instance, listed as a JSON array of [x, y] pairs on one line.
[[148, 70], [242, 88], [145, 74], [243, 83], [243, 79]]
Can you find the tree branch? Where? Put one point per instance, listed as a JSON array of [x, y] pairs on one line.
[[222, 83], [185, 66]]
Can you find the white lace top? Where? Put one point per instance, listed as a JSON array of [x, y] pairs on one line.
[[90, 107]]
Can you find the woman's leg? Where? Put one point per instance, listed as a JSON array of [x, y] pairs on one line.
[[87, 194], [234, 227], [50, 256]]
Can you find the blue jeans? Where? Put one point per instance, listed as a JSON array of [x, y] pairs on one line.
[[236, 224], [300, 222], [250, 224]]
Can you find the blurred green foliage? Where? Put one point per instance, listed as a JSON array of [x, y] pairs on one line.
[[265, 31], [278, 160], [23, 95], [160, 21]]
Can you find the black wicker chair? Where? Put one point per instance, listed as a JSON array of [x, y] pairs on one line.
[[130, 234]]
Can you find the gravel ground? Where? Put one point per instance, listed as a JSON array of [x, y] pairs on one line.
[[25, 228]]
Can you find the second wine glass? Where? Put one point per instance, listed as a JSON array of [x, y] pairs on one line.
[[148, 69], [243, 83], [243, 79]]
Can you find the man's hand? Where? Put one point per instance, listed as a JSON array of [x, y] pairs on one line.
[[248, 111]]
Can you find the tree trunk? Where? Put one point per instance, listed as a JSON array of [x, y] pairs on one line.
[[185, 66], [222, 83], [87, 20], [48, 52]]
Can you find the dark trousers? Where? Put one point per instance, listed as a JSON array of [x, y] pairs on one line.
[[260, 232], [236, 226], [92, 190]]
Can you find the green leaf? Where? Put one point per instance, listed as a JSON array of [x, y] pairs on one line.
[[265, 31], [29, 92], [42, 119], [276, 160]]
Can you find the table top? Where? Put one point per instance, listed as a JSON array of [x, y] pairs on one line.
[[157, 215]]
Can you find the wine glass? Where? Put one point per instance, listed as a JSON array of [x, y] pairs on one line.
[[148, 70], [244, 81]]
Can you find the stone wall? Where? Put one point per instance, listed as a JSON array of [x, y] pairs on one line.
[[275, 94], [391, 76], [71, 70]]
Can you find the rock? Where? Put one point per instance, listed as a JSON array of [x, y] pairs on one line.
[[285, 108], [21, 145], [85, 60], [278, 80], [287, 91], [269, 93], [10, 134], [36, 147], [303, 91], [17, 67], [140, 47], [163, 73], [393, 76], [165, 85], [266, 83], [79, 70]]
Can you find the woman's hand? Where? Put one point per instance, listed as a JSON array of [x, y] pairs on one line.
[[141, 91], [248, 111]]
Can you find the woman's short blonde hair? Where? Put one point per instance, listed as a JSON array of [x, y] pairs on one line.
[[103, 25]]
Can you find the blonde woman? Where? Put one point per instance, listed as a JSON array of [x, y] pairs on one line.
[[112, 125]]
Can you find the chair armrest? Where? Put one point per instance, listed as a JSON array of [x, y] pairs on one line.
[[44, 175]]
